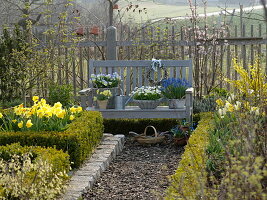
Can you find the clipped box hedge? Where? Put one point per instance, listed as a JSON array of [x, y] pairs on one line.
[[79, 140], [123, 126], [190, 178]]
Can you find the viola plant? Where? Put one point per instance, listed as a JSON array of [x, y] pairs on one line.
[[40, 117], [101, 96], [147, 93], [106, 80], [174, 88]]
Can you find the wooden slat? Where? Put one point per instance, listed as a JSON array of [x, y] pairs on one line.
[[140, 63], [140, 77], [252, 47], [128, 80], [81, 68], [134, 77]]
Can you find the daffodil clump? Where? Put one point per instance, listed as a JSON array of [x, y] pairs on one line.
[[41, 116], [232, 105]]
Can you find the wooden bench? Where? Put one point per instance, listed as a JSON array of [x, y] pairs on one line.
[[134, 73]]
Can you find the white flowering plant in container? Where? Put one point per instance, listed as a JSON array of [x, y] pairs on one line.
[[147, 93], [147, 97], [105, 80]]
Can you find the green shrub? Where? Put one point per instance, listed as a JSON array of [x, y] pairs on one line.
[[32, 172], [79, 140], [123, 126], [58, 158], [60, 93], [190, 178]]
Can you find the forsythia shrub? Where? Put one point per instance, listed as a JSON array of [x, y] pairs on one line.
[[32, 172], [190, 178]]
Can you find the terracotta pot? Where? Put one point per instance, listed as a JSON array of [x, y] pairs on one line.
[[80, 31], [180, 141], [102, 104], [115, 6], [94, 30], [185, 128]]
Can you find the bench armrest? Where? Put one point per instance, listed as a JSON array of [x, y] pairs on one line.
[[85, 91], [189, 90]]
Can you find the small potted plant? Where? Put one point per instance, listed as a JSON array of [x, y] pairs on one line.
[[180, 135], [103, 82], [102, 98], [147, 97], [174, 90]]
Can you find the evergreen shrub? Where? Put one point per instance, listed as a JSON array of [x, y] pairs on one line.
[[79, 140]]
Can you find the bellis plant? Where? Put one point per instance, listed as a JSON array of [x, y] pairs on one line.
[[174, 88], [106, 80], [147, 93], [40, 117]]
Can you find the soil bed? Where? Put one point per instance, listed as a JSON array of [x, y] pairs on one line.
[[139, 172]]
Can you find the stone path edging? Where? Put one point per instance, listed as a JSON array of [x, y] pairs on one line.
[[85, 177]]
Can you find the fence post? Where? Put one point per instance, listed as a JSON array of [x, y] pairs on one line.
[[112, 53]]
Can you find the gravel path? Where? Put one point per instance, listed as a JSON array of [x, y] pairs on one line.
[[140, 172]]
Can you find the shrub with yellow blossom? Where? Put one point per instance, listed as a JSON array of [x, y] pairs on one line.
[[41, 116]]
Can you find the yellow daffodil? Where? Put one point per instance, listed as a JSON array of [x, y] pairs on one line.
[[35, 98], [72, 117], [20, 125], [58, 105], [79, 109], [1, 115], [72, 109], [61, 114], [43, 101], [29, 124]]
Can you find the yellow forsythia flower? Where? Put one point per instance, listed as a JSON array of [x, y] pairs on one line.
[[72, 117], [29, 124], [35, 98], [1, 115], [220, 102], [20, 125]]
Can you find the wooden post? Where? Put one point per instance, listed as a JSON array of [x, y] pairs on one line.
[[112, 53]]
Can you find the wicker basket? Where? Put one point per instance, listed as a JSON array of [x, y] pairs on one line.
[[148, 104], [144, 139]]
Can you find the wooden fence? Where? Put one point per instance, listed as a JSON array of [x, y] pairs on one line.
[[212, 53]]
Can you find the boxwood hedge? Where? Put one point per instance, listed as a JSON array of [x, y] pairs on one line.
[[79, 140]]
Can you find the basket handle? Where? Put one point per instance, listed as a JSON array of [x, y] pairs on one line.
[[155, 131]]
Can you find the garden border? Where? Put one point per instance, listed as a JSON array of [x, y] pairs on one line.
[[85, 177]]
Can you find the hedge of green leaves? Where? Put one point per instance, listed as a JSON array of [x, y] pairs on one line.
[[191, 176], [114, 126], [79, 140]]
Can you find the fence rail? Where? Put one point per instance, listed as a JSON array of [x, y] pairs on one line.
[[212, 56]]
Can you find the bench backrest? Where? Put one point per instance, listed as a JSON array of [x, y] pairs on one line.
[[134, 72]]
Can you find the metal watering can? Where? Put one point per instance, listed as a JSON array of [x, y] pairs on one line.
[[121, 101]]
